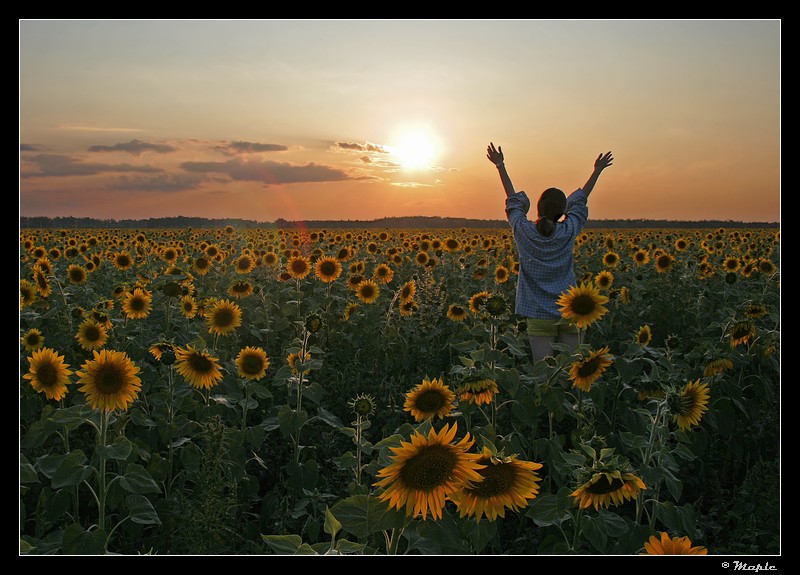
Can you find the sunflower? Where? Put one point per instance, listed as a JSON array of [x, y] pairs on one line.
[[27, 293], [407, 308], [407, 291], [122, 260], [294, 358], [478, 390], [349, 309], [429, 399], [270, 258], [422, 258], [681, 244], [611, 259], [383, 274], [252, 363], [362, 405], [109, 380], [663, 262], [585, 372], [48, 373], [163, 351], [32, 339], [604, 279], [298, 267], [42, 283], [327, 269], [608, 487], [202, 265], [690, 404], [188, 306], [456, 312], [198, 368], [136, 304], [427, 470], [501, 274], [240, 289], [731, 264], [741, 332], [508, 483], [244, 264], [368, 291], [77, 274], [755, 310], [668, 546], [766, 266], [91, 334], [224, 317], [644, 336], [641, 257], [478, 301], [716, 366], [582, 305]]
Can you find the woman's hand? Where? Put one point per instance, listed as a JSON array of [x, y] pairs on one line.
[[495, 155], [603, 161]]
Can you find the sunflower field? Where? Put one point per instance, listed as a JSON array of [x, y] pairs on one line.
[[331, 391]]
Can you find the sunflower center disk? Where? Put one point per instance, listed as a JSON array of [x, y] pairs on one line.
[[429, 469], [252, 364], [223, 318], [605, 485], [47, 375], [200, 364], [91, 334], [430, 401], [583, 305], [589, 368], [109, 380]]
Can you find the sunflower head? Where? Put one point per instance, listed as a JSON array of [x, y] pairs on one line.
[[644, 335], [583, 305], [362, 405], [223, 317], [585, 372], [689, 405], [496, 305], [48, 373], [666, 545], [32, 339], [197, 367], [109, 380], [478, 389], [430, 399], [252, 363], [741, 332], [607, 481], [163, 351]]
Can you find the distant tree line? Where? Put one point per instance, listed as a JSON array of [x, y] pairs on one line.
[[401, 222]]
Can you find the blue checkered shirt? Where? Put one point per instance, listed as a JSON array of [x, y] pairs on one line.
[[546, 265]]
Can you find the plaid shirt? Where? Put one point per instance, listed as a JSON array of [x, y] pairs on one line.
[[545, 263]]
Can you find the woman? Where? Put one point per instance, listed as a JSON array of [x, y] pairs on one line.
[[546, 267]]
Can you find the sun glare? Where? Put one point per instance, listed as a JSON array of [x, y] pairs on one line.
[[415, 148]]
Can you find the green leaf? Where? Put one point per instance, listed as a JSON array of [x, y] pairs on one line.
[[78, 541], [119, 450], [613, 523], [142, 511], [303, 476], [593, 529], [548, 509], [72, 470], [38, 433], [313, 391], [25, 547], [138, 480], [27, 473], [283, 544], [344, 546], [56, 503], [329, 418], [290, 420], [363, 515], [332, 525]]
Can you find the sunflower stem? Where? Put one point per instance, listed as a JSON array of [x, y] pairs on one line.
[[101, 503]]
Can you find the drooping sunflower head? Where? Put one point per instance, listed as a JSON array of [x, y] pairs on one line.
[[368, 291], [755, 310], [298, 360], [32, 339], [583, 305], [197, 367], [252, 363], [478, 301], [137, 303], [48, 373], [690, 404], [606, 487], [430, 399], [479, 390], [327, 269], [349, 309], [314, 323], [163, 351], [741, 332], [363, 405], [91, 334], [719, 365], [223, 317], [496, 305], [408, 290], [240, 289], [408, 308], [665, 545], [109, 380], [585, 372], [507, 483], [427, 470]]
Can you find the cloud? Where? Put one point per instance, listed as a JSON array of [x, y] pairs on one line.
[[268, 172], [97, 128], [242, 147], [157, 183], [135, 147], [53, 165], [29, 147], [367, 147]]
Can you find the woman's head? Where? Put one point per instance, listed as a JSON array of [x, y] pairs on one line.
[[552, 204]]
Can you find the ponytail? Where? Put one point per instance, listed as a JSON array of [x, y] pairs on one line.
[[546, 226]]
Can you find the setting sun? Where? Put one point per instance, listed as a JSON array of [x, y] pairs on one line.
[[415, 148]]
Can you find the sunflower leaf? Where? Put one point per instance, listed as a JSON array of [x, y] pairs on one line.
[[283, 544], [363, 515], [142, 511], [72, 470], [138, 480]]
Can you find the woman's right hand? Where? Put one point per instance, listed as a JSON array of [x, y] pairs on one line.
[[495, 155]]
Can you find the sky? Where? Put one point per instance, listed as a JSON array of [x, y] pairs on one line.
[[365, 119]]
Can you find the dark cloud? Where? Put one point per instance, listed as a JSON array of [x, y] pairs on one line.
[[257, 170], [29, 147], [53, 165], [158, 183], [135, 147], [366, 159], [233, 148], [368, 147]]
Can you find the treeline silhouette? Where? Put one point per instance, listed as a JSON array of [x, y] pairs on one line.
[[401, 222]]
